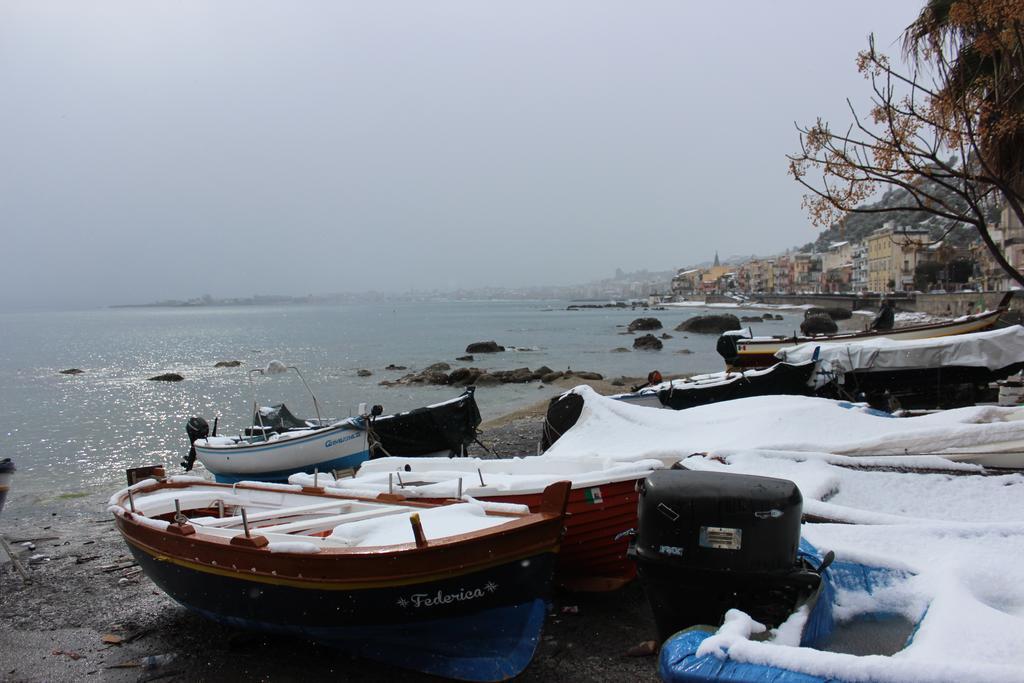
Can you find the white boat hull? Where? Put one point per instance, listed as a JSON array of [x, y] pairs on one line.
[[340, 446]]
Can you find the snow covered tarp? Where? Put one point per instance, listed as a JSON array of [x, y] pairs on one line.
[[994, 350], [613, 429]]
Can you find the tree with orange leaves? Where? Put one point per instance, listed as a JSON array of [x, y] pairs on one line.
[[948, 129]]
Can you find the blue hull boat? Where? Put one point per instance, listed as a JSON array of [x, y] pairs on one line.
[[679, 663]]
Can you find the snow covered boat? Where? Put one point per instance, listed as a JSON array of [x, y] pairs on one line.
[[282, 444], [741, 349], [602, 502], [834, 621], [6, 471], [945, 372], [612, 429], [780, 379], [456, 590]]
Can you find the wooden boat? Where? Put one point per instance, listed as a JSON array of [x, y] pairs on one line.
[[856, 582], [456, 590], [602, 502], [795, 379], [6, 472], [741, 351], [283, 445]]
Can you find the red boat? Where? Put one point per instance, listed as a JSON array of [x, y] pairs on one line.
[[602, 502]]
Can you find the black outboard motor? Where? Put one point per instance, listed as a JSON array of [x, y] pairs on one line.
[[726, 347], [708, 542], [197, 428]]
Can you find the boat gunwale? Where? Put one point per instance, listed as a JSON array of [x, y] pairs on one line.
[[485, 544]]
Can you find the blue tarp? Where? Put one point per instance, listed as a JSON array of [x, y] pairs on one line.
[[678, 662]]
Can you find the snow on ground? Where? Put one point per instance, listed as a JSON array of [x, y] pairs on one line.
[[960, 533]]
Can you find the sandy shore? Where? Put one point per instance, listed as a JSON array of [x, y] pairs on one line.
[[84, 588]]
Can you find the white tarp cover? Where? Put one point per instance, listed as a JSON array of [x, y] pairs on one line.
[[994, 349]]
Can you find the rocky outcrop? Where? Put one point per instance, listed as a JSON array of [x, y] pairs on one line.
[[577, 307], [463, 377], [484, 347], [641, 324], [363, 372], [586, 375], [709, 324], [167, 377], [227, 364], [437, 374], [72, 371], [648, 342], [818, 324]]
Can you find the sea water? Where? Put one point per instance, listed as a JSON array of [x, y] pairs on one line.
[[72, 433]]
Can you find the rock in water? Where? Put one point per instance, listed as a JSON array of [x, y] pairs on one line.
[[72, 371], [709, 324], [484, 347], [589, 375], [648, 342], [819, 324], [467, 357], [227, 364], [363, 372], [644, 324], [167, 377]]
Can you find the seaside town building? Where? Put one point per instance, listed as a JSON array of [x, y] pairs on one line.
[[1009, 235], [890, 259]]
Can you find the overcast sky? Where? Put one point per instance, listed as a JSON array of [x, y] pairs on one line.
[[169, 149]]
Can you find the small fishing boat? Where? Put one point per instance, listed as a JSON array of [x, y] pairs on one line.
[[741, 349], [6, 472], [794, 379], [842, 617], [456, 590], [945, 372], [279, 444], [602, 502]]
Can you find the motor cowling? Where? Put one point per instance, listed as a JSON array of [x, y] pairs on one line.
[[196, 428], [726, 347]]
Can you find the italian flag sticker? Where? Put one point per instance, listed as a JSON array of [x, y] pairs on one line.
[[593, 495]]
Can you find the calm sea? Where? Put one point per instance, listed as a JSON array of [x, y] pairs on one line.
[[75, 433]]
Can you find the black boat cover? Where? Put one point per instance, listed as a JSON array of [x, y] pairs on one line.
[[448, 426]]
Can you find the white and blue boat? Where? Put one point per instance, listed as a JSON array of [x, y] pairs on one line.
[[278, 444], [274, 457]]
